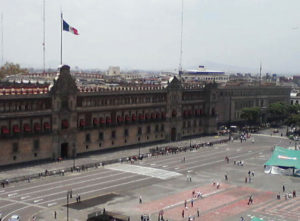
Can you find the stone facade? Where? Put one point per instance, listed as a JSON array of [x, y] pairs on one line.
[[66, 122], [231, 100]]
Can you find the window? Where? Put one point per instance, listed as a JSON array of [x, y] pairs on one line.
[[36, 144], [148, 129], [126, 133], [100, 135], [15, 147], [139, 131], [162, 127], [87, 138], [35, 154], [189, 124], [113, 134], [156, 128], [87, 147]]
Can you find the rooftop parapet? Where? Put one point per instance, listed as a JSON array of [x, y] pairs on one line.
[[23, 90], [114, 89]]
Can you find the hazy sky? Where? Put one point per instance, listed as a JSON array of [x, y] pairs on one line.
[[145, 34]]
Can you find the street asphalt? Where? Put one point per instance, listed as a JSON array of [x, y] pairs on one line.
[[162, 182]]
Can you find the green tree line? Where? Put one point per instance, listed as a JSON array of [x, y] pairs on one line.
[[277, 113]]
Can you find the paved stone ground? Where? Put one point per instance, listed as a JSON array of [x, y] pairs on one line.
[[216, 204], [227, 203]]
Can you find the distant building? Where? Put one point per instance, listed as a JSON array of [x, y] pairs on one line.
[[232, 100], [205, 75], [114, 70], [295, 96]]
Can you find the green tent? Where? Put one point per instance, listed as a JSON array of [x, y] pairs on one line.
[[284, 158], [256, 219]]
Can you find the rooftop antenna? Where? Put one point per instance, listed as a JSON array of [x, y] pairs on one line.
[[2, 48], [44, 36], [181, 34]]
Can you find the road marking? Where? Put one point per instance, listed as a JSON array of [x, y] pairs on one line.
[[176, 168], [7, 205], [51, 204], [214, 162], [24, 197], [152, 164], [7, 215], [12, 194], [90, 174], [2, 191], [165, 166], [93, 191], [79, 182], [146, 171], [39, 200]]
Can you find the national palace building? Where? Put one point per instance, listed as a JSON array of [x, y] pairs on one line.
[[63, 120]]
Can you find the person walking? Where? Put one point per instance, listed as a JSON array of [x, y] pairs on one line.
[[55, 214], [294, 193], [182, 213], [198, 212], [226, 177], [192, 203], [250, 201], [283, 188], [140, 199], [185, 204]]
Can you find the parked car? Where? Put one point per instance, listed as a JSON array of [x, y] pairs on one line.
[[275, 131], [15, 218]]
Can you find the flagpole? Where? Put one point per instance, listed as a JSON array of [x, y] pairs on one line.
[[61, 28], [2, 47], [44, 36]]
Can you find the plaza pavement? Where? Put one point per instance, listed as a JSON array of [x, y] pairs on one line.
[[229, 202]]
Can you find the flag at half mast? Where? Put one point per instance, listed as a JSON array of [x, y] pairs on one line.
[[67, 27]]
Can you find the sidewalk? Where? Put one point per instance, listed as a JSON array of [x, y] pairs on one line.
[[54, 168]]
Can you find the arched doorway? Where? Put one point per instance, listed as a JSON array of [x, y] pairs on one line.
[[64, 150], [173, 134]]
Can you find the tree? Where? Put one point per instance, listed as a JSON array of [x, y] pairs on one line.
[[293, 120], [277, 112], [252, 115], [11, 69]]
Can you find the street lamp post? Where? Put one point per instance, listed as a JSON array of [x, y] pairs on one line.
[[68, 193]]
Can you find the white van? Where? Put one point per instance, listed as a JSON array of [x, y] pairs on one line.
[[15, 218]]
